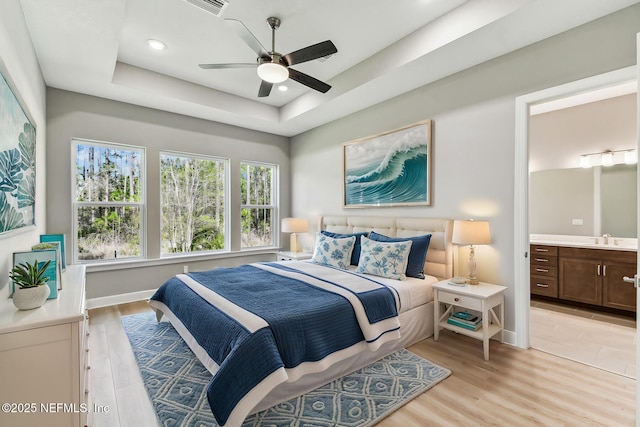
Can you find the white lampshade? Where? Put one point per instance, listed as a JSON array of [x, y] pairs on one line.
[[471, 233], [272, 72], [295, 225]]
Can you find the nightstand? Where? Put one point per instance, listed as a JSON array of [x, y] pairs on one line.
[[483, 298], [293, 256]]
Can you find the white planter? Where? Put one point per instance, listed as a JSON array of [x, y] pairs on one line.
[[29, 298]]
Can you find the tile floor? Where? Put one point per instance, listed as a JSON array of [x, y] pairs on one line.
[[602, 340]]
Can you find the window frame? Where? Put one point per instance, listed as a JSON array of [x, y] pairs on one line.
[[275, 206], [227, 201], [142, 205]]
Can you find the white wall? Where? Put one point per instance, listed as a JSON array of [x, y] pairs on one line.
[[558, 138], [474, 125], [72, 115], [20, 68]]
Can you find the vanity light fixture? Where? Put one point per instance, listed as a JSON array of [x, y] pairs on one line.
[[630, 157], [608, 158]]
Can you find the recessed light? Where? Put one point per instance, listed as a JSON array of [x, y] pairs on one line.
[[283, 88], [156, 44]]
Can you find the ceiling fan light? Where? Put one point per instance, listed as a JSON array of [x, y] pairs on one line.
[[272, 72]]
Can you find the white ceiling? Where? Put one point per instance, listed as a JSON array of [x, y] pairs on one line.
[[99, 48]]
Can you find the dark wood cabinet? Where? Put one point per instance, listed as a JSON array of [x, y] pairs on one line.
[[543, 270], [580, 280], [616, 293], [594, 276]]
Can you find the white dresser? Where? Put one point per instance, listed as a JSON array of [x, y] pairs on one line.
[[44, 359]]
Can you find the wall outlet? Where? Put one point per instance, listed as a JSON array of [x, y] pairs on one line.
[[185, 269], [577, 221]]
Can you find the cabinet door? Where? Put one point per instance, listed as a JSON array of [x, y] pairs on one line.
[[616, 293], [580, 280]]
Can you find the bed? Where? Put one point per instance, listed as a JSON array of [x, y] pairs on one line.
[[261, 354]]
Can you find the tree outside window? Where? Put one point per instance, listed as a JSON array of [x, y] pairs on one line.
[[108, 203], [258, 192], [193, 201]]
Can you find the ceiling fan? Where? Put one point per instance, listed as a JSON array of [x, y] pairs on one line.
[[273, 67]]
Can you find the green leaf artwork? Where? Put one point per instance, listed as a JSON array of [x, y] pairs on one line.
[[17, 163]]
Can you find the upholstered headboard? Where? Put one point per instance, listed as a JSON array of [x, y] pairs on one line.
[[440, 254]]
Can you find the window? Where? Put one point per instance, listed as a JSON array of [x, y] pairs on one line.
[[193, 201], [258, 186], [108, 204]]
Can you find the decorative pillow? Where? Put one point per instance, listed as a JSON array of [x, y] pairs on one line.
[[355, 255], [334, 252], [386, 259], [417, 256]]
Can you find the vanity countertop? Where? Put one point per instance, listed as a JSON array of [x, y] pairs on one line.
[[588, 242]]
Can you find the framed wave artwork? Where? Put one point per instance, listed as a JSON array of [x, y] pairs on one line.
[[389, 169], [17, 164]]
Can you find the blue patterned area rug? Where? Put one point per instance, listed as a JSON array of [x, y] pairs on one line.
[[176, 382]]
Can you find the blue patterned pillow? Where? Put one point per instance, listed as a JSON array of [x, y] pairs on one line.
[[386, 259], [417, 256], [334, 252], [355, 255]]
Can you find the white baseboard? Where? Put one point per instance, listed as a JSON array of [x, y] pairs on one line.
[[119, 299]]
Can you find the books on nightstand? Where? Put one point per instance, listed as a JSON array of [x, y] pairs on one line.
[[465, 320]]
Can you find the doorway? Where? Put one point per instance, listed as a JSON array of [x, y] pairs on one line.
[[521, 243], [570, 200]]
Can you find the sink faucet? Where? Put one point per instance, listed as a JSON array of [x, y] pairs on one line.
[[606, 238]]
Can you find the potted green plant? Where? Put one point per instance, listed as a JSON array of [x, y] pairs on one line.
[[30, 283]]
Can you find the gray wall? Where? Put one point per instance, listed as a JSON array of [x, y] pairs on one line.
[[604, 198], [474, 126], [19, 66], [72, 115], [619, 201]]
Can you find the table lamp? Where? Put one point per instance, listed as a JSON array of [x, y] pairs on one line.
[[471, 233], [294, 226]]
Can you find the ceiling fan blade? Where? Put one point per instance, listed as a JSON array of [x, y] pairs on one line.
[[225, 66], [265, 89], [310, 53], [243, 32], [307, 80]]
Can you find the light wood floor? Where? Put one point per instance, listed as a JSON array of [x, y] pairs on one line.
[[515, 387]]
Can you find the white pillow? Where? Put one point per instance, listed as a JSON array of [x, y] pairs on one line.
[[334, 252], [385, 259]]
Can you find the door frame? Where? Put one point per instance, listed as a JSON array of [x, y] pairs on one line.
[[521, 181]]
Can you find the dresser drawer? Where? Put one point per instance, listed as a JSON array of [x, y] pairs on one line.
[[544, 260], [460, 300], [545, 286], [543, 250], [543, 270]]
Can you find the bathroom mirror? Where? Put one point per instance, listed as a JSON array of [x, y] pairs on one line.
[[584, 201]]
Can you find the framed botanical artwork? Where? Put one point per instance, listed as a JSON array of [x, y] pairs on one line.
[[17, 164], [389, 169]]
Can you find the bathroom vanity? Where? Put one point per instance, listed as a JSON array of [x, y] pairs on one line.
[[584, 272]]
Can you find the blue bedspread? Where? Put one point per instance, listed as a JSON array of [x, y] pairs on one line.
[[254, 326]]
